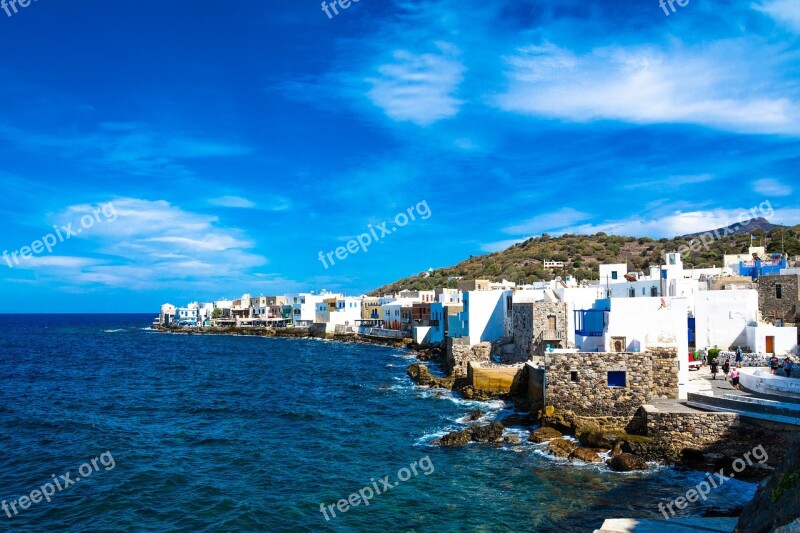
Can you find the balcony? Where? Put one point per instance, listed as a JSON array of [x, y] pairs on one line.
[[551, 335], [590, 322]]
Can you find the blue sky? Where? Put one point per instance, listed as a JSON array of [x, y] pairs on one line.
[[235, 141]]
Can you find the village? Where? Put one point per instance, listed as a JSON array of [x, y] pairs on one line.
[[612, 370]]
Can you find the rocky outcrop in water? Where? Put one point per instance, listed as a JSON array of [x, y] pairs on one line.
[[544, 435], [584, 454], [777, 500], [489, 433], [561, 447], [627, 462]]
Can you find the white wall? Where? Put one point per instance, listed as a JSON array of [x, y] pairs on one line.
[[722, 317], [785, 339], [485, 315]]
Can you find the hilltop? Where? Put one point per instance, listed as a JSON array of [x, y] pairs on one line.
[[581, 255]]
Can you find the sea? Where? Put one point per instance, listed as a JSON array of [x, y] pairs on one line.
[[174, 432]]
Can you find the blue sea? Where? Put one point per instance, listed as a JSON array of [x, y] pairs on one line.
[[229, 433]]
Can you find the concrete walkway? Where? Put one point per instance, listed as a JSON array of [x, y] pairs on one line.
[[719, 395]]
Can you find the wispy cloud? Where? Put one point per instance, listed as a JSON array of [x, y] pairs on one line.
[[709, 86], [136, 148], [786, 12], [151, 244], [232, 201], [419, 88], [771, 187], [547, 221]]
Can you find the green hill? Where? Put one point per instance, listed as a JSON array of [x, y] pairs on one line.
[[581, 255]]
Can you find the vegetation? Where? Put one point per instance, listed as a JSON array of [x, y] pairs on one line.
[[581, 254]]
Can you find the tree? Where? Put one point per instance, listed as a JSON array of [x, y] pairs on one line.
[[216, 313]]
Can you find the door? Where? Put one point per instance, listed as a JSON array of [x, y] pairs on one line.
[[771, 344]]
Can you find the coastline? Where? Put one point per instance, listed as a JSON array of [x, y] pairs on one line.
[[585, 436]]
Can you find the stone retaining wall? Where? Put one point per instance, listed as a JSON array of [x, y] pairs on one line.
[[460, 355], [690, 430]]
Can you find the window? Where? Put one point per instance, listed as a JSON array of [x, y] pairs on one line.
[[778, 291], [644, 291], [573, 376], [616, 378], [632, 293], [653, 291], [613, 274]]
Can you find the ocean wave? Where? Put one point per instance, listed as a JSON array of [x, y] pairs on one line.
[[112, 330]]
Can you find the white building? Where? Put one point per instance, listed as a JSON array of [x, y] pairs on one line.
[[772, 339], [485, 317], [722, 317], [338, 311]]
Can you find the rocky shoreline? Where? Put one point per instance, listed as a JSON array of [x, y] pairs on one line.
[[580, 438]]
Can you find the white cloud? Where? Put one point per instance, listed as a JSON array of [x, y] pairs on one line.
[[710, 86], [148, 244], [232, 201], [771, 187], [786, 12], [674, 224], [418, 88], [548, 221]]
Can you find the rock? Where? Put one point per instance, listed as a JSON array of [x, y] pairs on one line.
[[420, 374], [627, 462], [544, 434], [628, 447], [794, 527], [561, 447], [385, 387], [455, 438], [559, 421], [511, 439], [476, 414], [617, 449], [777, 500], [491, 433], [517, 420], [598, 439], [584, 454]]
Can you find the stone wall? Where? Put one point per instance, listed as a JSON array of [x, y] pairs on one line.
[[460, 355], [542, 311], [695, 430], [523, 330], [770, 306], [578, 382]]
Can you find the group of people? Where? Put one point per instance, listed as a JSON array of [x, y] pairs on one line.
[[774, 365], [726, 369]]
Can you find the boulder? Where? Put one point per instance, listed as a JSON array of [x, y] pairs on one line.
[[491, 433], [561, 447], [455, 438], [627, 462], [420, 374], [517, 420], [598, 439], [476, 414], [511, 439], [584, 454], [544, 434]]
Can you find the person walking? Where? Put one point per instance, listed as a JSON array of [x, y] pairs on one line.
[[726, 368], [739, 357], [773, 364], [787, 367], [735, 378], [714, 368]]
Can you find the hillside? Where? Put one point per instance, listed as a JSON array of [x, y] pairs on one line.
[[581, 255]]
